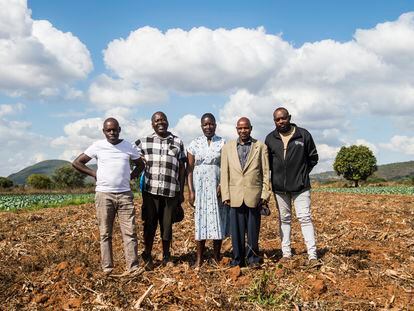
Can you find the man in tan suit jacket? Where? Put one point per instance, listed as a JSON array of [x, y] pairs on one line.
[[244, 187]]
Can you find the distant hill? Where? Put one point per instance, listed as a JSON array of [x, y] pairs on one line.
[[392, 172], [47, 167], [396, 171]]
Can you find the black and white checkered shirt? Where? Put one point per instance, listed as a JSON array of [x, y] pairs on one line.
[[163, 156]]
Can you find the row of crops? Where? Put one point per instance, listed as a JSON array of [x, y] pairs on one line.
[[10, 202], [405, 190]]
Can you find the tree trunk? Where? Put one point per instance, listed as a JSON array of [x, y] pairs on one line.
[[356, 183]]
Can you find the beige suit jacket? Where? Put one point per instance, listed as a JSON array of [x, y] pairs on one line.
[[249, 184]]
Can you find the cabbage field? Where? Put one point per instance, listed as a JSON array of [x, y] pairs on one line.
[[405, 190], [9, 202]]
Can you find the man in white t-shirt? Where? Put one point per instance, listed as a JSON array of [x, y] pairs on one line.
[[113, 192]]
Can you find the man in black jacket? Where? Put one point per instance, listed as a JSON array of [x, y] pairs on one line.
[[292, 155]]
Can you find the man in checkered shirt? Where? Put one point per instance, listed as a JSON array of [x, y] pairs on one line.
[[164, 183]]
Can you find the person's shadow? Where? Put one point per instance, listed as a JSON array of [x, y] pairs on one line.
[[276, 253]]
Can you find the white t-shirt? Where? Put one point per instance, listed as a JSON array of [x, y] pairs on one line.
[[113, 172]]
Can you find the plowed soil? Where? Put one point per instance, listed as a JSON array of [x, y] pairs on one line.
[[49, 260]]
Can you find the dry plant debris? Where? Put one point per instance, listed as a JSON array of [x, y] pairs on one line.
[[49, 260]]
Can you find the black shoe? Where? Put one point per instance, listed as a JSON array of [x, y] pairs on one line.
[[255, 265], [234, 263], [166, 260], [147, 258]]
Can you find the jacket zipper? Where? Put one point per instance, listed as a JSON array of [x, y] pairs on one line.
[[284, 164]]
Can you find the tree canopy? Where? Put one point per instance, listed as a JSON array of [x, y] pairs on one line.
[[39, 181], [355, 163], [67, 177], [5, 182]]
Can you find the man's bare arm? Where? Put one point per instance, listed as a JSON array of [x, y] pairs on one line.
[[80, 164], [139, 167]]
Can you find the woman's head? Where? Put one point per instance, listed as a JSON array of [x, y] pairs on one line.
[[208, 124]]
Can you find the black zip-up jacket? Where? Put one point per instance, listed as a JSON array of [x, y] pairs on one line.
[[292, 173]]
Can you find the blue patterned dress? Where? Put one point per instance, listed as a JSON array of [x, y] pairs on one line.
[[211, 216]]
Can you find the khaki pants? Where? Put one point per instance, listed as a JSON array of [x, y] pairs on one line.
[[108, 205]]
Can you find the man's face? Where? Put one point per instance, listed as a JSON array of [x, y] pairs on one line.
[[244, 129], [160, 124], [208, 127], [282, 121], [111, 131]]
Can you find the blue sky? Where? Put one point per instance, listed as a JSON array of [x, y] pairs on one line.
[[343, 69]]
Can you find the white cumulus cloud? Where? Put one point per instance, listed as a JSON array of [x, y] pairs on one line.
[[399, 143], [21, 146], [36, 59], [106, 93], [7, 109], [200, 60], [82, 133]]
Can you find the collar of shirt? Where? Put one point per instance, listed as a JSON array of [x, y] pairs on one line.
[[249, 142], [213, 138], [290, 133], [162, 138]]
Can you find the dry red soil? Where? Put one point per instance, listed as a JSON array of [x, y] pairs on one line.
[[49, 260]]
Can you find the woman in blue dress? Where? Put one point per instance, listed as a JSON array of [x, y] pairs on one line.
[[211, 216]]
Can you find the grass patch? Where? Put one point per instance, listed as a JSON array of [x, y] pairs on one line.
[[263, 291]]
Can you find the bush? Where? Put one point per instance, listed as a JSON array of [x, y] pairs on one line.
[[67, 177], [374, 179], [355, 163], [5, 182], [39, 181]]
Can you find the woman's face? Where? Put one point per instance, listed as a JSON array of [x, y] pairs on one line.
[[208, 125]]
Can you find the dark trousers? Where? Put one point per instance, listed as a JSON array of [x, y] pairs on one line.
[[245, 219], [157, 209]]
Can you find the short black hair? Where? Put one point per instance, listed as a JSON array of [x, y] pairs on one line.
[[158, 112], [281, 109], [208, 115], [113, 120]]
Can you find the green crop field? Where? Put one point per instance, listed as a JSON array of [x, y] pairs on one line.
[[404, 190], [9, 202]]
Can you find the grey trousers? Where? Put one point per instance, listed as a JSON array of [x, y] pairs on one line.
[[108, 205], [302, 203]]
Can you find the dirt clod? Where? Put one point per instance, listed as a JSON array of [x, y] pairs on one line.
[[73, 303], [41, 298], [319, 287], [62, 266], [234, 273]]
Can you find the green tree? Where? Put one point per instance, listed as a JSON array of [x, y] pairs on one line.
[[355, 163], [39, 181], [67, 177], [5, 182]]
